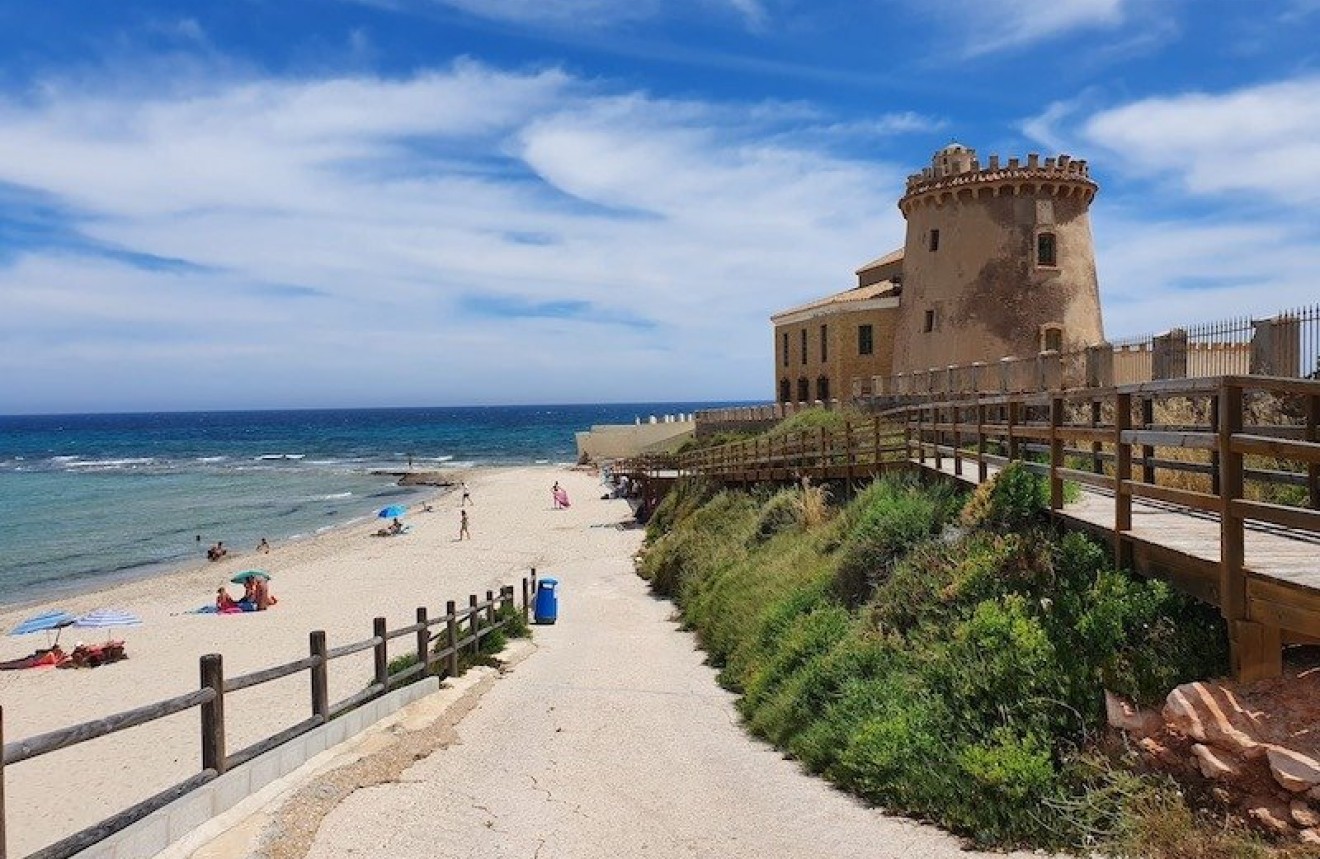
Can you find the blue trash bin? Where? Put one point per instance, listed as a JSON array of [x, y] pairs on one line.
[[546, 609]]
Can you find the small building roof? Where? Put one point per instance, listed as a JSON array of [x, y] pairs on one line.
[[841, 300], [888, 259]]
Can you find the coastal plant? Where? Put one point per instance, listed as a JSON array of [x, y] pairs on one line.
[[964, 681], [1013, 498]]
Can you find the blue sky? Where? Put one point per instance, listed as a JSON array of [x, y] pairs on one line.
[[297, 203]]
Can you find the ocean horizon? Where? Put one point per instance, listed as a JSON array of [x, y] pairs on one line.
[[87, 500]]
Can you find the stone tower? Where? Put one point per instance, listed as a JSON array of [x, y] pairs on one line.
[[998, 261]]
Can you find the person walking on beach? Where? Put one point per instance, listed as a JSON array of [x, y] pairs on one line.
[[467, 495], [463, 526], [554, 494]]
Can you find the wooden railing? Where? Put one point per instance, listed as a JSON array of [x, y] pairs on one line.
[[1242, 450], [457, 630]]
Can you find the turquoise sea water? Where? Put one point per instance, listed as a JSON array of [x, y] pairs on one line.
[[85, 499]]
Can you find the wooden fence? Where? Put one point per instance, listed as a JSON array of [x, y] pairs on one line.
[[457, 630], [1237, 452]]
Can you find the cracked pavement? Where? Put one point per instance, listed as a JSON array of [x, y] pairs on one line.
[[611, 740]]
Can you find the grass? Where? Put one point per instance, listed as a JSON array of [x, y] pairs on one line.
[[946, 657]]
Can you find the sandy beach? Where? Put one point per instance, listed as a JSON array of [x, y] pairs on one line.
[[337, 582]]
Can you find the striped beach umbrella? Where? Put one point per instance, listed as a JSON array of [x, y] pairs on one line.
[[105, 618], [44, 622]]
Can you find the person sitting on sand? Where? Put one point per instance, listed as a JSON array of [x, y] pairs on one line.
[[223, 601], [263, 547], [262, 595], [396, 527], [217, 551]]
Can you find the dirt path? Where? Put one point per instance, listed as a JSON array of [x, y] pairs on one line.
[[611, 740]]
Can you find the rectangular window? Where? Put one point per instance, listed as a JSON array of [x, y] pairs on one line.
[[824, 344], [804, 345], [934, 240], [1046, 253], [929, 324], [865, 343], [804, 391], [784, 344]]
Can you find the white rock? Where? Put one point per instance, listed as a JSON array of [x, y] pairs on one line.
[[1293, 770], [1214, 764]]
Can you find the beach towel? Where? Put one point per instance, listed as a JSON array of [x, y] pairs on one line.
[[561, 497]]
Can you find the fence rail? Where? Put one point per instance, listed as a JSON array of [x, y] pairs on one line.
[[478, 619]]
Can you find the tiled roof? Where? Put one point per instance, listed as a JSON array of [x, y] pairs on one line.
[[891, 257], [858, 293]]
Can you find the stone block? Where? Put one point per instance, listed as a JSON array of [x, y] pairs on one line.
[[1294, 771], [1303, 814], [335, 733], [188, 812], [143, 839], [293, 754], [1215, 764], [263, 770], [229, 789]]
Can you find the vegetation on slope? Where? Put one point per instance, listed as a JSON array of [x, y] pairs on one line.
[[942, 657]]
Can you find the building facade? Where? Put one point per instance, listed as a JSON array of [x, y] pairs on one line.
[[998, 262]]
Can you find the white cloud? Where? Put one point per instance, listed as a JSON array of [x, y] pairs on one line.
[[1261, 140], [996, 25], [337, 232]]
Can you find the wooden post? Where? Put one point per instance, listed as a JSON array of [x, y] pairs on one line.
[[821, 456], [451, 622], [957, 441], [1122, 474], [936, 435], [1147, 450], [474, 624], [381, 651], [875, 432], [1014, 418], [982, 467], [213, 713], [1313, 435], [1232, 584], [3, 850], [320, 674], [423, 641], [848, 445], [921, 435], [533, 582], [526, 599], [1056, 453], [490, 608], [1215, 482], [1097, 463]]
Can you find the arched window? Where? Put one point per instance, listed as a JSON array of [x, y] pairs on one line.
[[804, 391], [823, 389], [1046, 250], [785, 390]]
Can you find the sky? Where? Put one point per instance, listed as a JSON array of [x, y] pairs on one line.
[[337, 203]]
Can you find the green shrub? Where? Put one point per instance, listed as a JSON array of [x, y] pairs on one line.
[[954, 674], [1013, 498]]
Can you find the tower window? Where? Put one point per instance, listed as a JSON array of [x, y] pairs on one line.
[[783, 342], [823, 388], [865, 341], [1051, 338], [785, 391], [934, 240], [804, 391], [1046, 253], [804, 345], [929, 324], [824, 344]]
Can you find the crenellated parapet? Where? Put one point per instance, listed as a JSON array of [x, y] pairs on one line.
[[956, 173]]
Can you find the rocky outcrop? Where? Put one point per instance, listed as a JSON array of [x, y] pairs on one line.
[[1255, 745]]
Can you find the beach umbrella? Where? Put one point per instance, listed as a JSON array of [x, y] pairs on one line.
[[44, 622], [250, 574], [394, 511], [105, 618]]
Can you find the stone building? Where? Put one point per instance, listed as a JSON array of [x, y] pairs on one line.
[[998, 262]]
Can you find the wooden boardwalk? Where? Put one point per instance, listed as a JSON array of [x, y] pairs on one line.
[[1211, 484]]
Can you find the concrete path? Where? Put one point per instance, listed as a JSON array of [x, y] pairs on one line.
[[612, 740]]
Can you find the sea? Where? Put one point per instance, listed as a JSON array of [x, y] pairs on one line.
[[88, 500]]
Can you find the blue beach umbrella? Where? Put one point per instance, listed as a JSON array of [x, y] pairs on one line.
[[105, 618], [44, 622], [394, 511]]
